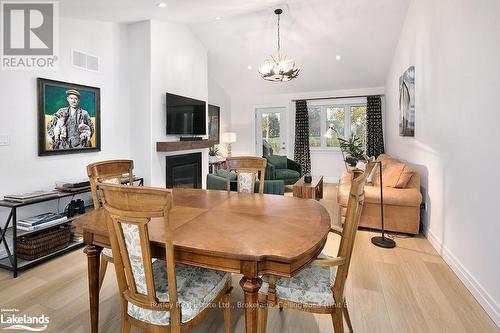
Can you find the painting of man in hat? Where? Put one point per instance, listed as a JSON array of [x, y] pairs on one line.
[[70, 117]]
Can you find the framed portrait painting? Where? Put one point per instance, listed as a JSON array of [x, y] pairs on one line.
[[214, 123], [69, 118]]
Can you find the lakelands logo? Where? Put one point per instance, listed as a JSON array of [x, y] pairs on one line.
[[29, 34], [23, 322]]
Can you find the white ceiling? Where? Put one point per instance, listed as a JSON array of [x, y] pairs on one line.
[[313, 32]]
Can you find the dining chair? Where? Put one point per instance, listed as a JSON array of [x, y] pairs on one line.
[[111, 172], [159, 296], [247, 168], [319, 288]]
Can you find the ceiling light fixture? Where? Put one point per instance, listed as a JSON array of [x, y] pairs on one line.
[[338, 57], [279, 69], [249, 67], [161, 4]]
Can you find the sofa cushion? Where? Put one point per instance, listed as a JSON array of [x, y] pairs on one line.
[[223, 174], [286, 174], [397, 175], [279, 162]]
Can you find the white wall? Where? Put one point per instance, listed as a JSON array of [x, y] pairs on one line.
[[178, 66], [20, 166], [454, 47], [325, 163]]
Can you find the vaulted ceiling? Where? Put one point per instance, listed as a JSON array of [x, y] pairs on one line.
[[242, 33]]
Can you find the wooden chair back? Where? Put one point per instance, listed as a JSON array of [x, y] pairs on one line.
[[354, 209], [111, 171], [131, 209], [248, 168]]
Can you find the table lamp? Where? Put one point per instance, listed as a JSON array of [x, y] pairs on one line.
[[229, 137]]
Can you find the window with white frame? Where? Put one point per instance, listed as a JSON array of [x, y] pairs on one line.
[[348, 117]]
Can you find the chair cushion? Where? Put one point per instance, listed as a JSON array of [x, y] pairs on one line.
[[287, 174], [196, 289], [223, 174], [246, 182], [279, 162], [312, 286]]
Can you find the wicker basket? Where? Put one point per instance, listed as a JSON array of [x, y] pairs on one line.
[[41, 244]]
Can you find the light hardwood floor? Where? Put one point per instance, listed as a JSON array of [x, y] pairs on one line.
[[406, 289]]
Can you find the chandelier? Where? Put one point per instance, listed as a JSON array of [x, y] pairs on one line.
[[278, 69]]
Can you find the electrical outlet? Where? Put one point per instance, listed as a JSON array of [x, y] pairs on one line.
[[4, 139]]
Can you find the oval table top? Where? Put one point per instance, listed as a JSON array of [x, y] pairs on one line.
[[279, 233]]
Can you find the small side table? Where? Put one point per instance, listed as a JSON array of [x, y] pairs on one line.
[[214, 166], [312, 190]]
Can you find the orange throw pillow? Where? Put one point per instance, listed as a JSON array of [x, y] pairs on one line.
[[397, 175]]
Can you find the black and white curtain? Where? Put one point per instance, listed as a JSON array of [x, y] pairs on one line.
[[374, 132], [301, 152]]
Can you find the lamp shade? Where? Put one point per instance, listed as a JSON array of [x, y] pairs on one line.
[[229, 137]]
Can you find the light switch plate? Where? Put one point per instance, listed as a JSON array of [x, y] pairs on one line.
[[4, 139]]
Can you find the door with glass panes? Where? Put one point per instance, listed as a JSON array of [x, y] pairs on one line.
[[270, 127]]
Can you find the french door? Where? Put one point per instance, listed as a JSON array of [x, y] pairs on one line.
[[271, 127]]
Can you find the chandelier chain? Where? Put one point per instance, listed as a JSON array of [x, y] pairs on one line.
[[278, 34]]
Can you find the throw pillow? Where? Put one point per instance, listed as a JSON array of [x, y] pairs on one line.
[[397, 175], [223, 174], [279, 162]]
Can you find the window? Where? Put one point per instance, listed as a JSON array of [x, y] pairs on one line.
[[314, 126], [347, 116]]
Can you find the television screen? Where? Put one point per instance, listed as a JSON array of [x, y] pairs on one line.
[[185, 115]]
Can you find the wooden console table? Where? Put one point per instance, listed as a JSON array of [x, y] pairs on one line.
[[251, 234]]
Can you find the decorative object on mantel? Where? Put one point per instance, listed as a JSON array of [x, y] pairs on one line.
[[69, 118], [407, 102], [212, 154], [279, 69], [229, 137]]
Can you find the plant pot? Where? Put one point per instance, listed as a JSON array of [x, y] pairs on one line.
[[212, 159]]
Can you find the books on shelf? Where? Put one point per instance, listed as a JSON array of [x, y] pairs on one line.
[[41, 221], [29, 196]]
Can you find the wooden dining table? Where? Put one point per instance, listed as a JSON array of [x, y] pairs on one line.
[[250, 234]]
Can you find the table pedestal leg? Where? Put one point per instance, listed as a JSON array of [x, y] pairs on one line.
[[93, 258], [251, 286]]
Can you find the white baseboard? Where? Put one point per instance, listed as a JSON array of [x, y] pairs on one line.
[[480, 294]]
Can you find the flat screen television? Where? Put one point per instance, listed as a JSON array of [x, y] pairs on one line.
[[186, 116]]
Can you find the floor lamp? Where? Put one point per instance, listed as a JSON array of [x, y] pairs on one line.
[[377, 240]]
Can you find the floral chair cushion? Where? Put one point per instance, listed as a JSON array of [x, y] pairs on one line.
[[246, 182], [196, 289], [116, 181], [312, 286]]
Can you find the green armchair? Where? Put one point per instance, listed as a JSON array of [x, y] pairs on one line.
[[217, 181], [283, 168]]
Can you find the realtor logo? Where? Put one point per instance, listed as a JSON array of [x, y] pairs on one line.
[[29, 31]]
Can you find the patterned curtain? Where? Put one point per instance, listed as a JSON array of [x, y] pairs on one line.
[[301, 154], [374, 132]]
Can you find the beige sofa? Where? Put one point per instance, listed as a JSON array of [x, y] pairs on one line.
[[402, 197]]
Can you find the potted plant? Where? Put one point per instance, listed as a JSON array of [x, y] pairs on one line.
[[352, 148], [212, 154]]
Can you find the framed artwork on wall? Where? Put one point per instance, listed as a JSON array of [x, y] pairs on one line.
[[69, 118], [407, 102], [214, 123]]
